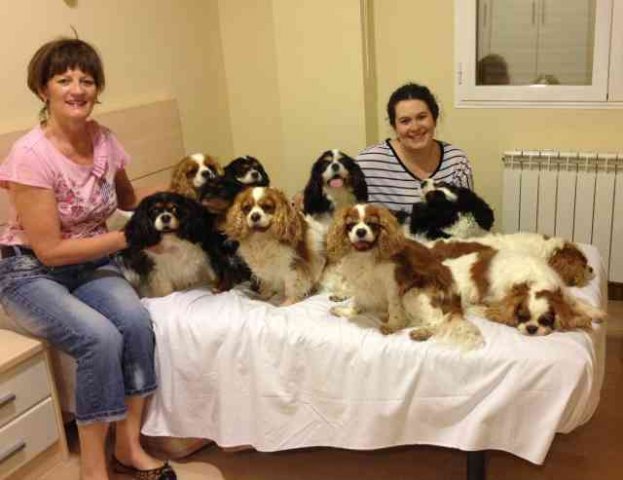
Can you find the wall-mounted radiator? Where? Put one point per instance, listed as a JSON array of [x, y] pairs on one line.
[[578, 196]]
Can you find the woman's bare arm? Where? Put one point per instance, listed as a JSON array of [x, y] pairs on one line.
[[38, 213]]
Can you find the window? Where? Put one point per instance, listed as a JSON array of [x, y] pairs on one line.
[[539, 53]]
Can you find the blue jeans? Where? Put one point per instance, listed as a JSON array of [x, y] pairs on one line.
[[92, 313]]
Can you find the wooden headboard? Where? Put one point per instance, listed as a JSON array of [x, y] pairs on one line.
[[151, 134]]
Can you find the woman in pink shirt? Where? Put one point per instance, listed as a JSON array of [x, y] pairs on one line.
[[57, 281]]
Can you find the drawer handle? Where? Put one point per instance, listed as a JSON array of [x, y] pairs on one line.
[[6, 399], [9, 452]]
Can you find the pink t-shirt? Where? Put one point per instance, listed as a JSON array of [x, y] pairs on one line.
[[85, 194]]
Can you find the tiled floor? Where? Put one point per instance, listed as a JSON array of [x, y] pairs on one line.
[[593, 451]]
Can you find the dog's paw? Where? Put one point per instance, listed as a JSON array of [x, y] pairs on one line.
[[342, 311], [337, 298], [421, 334], [387, 329]]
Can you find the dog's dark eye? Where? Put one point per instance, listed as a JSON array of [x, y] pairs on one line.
[[522, 315], [246, 208], [192, 171], [350, 226], [268, 207], [547, 319]]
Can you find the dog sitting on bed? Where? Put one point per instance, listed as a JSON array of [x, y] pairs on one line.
[[192, 172], [283, 248], [396, 278], [519, 290], [336, 181], [171, 246], [219, 193], [449, 211]]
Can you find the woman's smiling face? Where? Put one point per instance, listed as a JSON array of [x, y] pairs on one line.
[[71, 95], [414, 124]]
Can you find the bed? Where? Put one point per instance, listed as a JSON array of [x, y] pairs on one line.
[[240, 371]]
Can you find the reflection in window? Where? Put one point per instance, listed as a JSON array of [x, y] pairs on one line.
[[527, 42]]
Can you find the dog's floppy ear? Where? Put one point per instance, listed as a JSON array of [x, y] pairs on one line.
[[572, 313], [180, 182], [391, 239], [357, 178], [338, 244], [288, 223], [313, 199], [236, 226], [265, 182], [194, 219], [469, 201], [506, 311], [140, 231]]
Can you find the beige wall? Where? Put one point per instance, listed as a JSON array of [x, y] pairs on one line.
[[414, 41], [284, 79], [295, 81], [152, 50]]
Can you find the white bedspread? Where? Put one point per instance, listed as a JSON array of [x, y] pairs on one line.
[[243, 372]]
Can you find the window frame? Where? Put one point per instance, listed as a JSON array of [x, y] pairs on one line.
[[605, 92]]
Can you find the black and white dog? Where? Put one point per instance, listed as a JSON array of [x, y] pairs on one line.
[[336, 181], [172, 246], [449, 211], [218, 193]]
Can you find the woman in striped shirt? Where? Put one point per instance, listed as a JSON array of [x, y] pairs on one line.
[[394, 169]]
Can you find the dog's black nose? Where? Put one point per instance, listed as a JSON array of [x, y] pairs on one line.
[[361, 232], [255, 175], [166, 218], [206, 174], [335, 167], [531, 329], [255, 217]]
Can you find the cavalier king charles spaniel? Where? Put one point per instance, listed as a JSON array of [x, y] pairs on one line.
[[192, 172], [448, 211], [219, 193], [283, 248], [521, 291], [336, 181], [396, 278], [563, 256], [171, 246]]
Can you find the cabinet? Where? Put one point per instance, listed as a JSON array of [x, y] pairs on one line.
[[32, 436], [539, 39]]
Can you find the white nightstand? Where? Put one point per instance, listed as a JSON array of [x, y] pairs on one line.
[[32, 436]]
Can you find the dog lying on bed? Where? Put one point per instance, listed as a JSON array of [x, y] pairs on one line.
[[448, 211], [519, 290], [171, 246], [283, 248], [396, 278], [563, 256]]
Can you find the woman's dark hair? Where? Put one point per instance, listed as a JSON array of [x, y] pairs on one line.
[[411, 91], [57, 56]]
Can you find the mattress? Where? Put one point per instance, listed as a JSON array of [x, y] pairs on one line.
[[240, 371]]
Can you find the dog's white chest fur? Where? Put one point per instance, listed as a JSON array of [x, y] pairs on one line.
[[368, 278], [268, 258], [178, 265], [341, 197]]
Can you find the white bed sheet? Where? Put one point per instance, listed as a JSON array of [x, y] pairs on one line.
[[243, 372]]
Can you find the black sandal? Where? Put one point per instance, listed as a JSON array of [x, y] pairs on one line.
[[165, 472]]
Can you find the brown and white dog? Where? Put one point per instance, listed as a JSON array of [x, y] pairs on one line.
[[517, 289], [192, 172], [563, 256], [395, 278], [283, 249]]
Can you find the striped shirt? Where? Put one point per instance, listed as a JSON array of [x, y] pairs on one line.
[[391, 184]]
